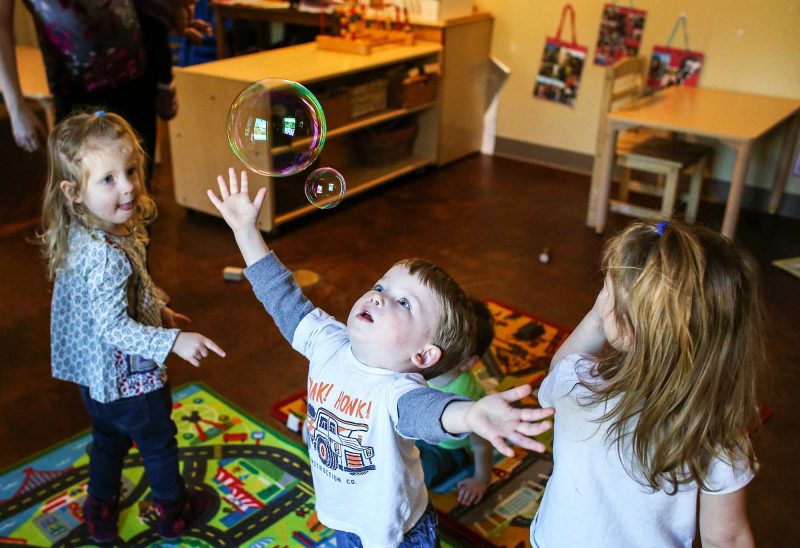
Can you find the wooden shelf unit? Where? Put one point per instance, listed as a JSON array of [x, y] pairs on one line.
[[198, 135]]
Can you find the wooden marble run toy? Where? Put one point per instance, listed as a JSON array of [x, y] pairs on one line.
[[360, 35]]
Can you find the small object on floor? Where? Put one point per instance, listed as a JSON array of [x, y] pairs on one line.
[[305, 278], [293, 422], [233, 274], [544, 256]]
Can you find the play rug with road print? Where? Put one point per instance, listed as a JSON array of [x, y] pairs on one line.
[[261, 481]]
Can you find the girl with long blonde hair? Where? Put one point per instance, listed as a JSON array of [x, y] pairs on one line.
[[655, 392], [110, 329]]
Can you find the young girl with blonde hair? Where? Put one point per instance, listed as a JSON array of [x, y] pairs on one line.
[[110, 329], [654, 392]]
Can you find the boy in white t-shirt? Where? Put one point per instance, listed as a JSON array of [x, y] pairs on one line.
[[367, 397]]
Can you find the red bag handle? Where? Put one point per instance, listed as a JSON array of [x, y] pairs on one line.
[[564, 10]]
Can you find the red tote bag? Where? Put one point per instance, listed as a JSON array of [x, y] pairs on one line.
[[673, 66], [562, 64]]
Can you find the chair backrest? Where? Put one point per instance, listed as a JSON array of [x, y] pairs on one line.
[[624, 83]]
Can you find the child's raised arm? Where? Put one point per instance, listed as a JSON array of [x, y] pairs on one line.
[[272, 282], [493, 418], [723, 520], [589, 337], [241, 214]]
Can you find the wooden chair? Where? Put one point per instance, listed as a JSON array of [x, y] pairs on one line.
[[645, 151]]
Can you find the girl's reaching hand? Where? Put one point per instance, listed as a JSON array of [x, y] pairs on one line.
[[235, 206], [193, 347]]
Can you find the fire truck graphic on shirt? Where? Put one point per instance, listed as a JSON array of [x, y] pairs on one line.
[[338, 442]]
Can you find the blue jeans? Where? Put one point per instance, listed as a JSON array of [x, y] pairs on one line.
[[422, 535], [146, 420], [439, 464]]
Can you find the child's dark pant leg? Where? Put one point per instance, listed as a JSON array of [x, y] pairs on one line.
[[156, 442], [146, 420], [424, 534], [109, 447]]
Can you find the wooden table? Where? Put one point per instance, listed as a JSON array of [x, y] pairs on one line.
[[33, 81], [733, 118]]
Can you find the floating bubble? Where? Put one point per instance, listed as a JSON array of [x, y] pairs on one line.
[[325, 187], [276, 127]]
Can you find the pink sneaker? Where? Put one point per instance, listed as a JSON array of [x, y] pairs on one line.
[[175, 518], [101, 518]]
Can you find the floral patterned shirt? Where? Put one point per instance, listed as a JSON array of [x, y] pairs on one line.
[[105, 324], [88, 45]]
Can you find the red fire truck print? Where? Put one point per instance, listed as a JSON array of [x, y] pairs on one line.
[[338, 443]]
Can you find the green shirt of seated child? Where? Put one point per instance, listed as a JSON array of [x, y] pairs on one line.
[[442, 461]]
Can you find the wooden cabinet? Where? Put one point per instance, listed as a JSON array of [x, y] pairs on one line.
[[466, 43], [198, 135]]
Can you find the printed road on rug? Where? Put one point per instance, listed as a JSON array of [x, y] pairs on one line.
[[261, 480]]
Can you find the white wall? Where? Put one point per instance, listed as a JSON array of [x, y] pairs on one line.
[[750, 46]]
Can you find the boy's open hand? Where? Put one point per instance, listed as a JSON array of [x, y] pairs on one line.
[[494, 419], [235, 206]]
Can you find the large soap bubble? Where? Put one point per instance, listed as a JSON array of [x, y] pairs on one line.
[[276, 127]]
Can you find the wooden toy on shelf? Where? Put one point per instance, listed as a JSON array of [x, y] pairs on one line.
[[357, 35]]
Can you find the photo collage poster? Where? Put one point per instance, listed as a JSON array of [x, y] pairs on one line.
[[620, 34]]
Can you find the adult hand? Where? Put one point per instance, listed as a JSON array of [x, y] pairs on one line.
[[186, 24], [29, 132]]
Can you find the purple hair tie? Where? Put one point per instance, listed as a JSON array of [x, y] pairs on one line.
[[100, 113], [661, 226]]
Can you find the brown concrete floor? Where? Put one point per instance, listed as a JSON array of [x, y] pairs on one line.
[[484, 219]]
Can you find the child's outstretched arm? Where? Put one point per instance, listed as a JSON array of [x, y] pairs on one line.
[[493, 418], [241, 214], [723, 520], [589, 337]]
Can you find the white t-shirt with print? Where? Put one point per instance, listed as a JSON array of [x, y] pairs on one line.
[[368, 478], [590, 500]]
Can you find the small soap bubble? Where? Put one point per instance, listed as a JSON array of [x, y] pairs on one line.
[[325, 187], [276, 127]]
